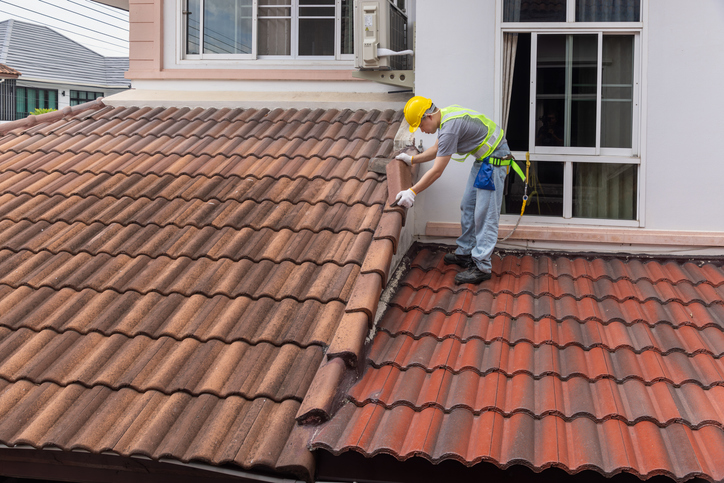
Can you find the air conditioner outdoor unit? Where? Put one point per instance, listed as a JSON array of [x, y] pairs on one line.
[[380, 47]]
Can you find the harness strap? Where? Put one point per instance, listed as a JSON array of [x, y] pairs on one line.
[[506, 162]]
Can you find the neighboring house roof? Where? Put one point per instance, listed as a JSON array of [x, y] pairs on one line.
[[41, 53], [605, 363], [6, 71], [171, 278]]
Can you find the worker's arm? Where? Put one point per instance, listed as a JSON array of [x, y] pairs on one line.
[[406, 198], [427, 155], [432, 174]]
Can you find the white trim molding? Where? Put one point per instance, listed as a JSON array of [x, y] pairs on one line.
[[606, 238]]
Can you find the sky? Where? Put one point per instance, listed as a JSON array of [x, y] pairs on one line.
[[101, 28]]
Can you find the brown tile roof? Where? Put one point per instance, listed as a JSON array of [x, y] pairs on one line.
[[171, 278], [8, 72], [579, 363]]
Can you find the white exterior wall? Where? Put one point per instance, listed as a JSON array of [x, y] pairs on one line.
[[454, 64], [682, 104], [685, 112]]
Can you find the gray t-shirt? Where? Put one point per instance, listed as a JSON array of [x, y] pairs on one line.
[[464, 134]]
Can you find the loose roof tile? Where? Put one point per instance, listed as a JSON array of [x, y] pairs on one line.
[[170, 279], [579, 363]]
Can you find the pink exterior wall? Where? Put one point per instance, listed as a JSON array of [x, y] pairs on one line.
[[145, 37], [146, 55]]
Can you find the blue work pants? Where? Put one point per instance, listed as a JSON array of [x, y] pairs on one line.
[[480, 216]]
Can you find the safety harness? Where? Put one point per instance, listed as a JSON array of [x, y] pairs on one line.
[[492, 139]]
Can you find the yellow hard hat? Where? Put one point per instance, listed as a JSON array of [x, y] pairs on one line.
[[415, 109]]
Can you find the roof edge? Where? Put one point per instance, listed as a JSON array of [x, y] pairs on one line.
[[50, 117]]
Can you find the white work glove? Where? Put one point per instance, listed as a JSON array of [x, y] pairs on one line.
[[405, 198], [405, 158]]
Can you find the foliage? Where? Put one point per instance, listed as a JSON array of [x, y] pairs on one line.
[[39, 111]]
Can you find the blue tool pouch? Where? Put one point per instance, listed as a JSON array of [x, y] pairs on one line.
[[484, 179]]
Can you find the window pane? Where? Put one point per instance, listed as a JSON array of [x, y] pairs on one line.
[[550, 90], [316, 12], [527, 11], [566, 90], [227, 26], [193, 17], [604, 191], [347, 27], [617, 92], [545, 190], [584, 70], [275, 35], [21, 102], [517, 129], [32, 99], [53, 99], [275, 12], [608, 10], [316, 36], [316, 2]]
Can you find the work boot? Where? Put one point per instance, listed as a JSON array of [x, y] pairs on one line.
[[464, 261], [472, 275]]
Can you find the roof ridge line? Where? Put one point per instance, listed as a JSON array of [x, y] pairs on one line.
[[50, 117], [345, 353]]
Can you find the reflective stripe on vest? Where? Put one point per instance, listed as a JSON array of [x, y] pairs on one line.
[[492, 138]]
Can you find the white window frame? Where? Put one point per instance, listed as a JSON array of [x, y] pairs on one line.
[[182, 6], [597, 150], [568, 155], [294, 47]]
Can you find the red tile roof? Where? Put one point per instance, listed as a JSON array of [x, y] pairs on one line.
[[171, 278], [580, 363]]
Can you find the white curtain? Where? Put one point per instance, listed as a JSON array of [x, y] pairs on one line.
[[510, 47], [604, 191]]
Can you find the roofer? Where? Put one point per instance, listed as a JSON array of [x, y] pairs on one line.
[[465, 132]]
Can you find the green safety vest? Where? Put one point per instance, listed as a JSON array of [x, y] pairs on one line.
[[491, 141]]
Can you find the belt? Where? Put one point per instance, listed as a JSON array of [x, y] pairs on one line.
[[505, 162]]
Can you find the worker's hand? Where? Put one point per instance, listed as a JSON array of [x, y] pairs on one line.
[[405, 198], [405, 158]]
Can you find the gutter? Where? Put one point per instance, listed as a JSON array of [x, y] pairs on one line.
[[198, 466], [227, 471], [83, 84]]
